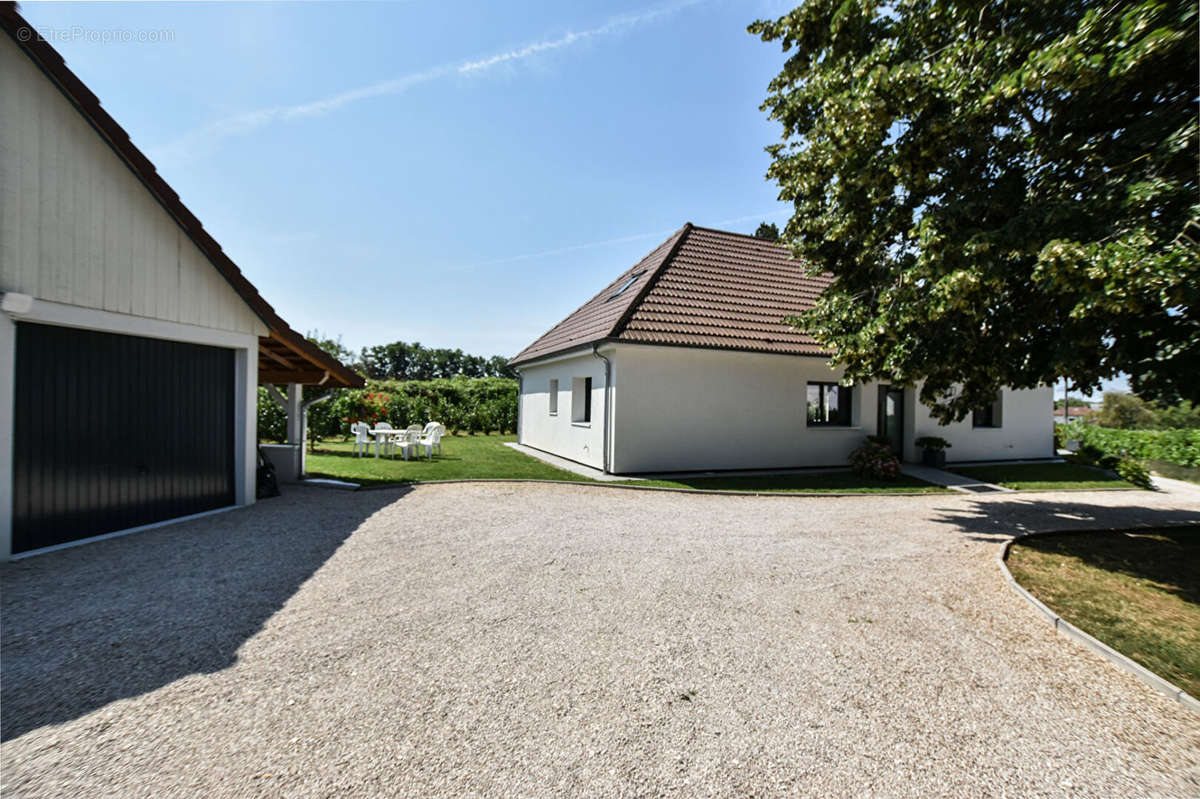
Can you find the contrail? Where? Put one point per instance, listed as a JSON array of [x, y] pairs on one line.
[[250, 121]]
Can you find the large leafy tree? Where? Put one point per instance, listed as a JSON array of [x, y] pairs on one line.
[[999, 190], [403, 361]]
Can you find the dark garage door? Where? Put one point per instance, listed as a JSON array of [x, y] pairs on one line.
[[112, 432]]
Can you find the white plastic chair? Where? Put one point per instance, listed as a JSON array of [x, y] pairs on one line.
[[441, 428], [433, 439], [362, 437], [383, 441], [406, 440]]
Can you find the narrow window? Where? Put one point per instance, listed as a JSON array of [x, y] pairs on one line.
[[581, 399], [554, 396], [828, 405], [989, 415]]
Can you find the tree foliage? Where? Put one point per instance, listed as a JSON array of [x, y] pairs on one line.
[[1130, 412], [402, 361], [997, 189], [767, 231], [1125, 411]]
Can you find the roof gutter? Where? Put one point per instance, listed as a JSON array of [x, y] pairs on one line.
[[607, 399]]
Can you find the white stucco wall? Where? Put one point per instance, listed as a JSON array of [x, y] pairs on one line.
[[686, 409], [1026, 430], [557, 434]]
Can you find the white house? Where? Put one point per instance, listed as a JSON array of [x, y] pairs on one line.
[[682, 364], [131, 346]]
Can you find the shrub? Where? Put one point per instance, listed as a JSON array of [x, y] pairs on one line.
[[935, 443], [875, 459], [1134, 471], [272, 418], [1180, 447], [472, 405]]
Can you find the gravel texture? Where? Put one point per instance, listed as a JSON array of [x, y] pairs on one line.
[[503, 639]]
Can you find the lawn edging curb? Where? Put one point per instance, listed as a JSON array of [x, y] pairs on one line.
[[1065, 628], [711, 491]]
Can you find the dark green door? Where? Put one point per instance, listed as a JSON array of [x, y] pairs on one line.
[[891, 417]]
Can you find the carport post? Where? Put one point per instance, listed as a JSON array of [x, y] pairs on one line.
[[295, 415]]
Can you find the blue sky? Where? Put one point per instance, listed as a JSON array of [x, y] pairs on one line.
[[459, 174]]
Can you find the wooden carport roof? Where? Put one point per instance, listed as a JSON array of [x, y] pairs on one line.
[[292, 358], [284, 356]]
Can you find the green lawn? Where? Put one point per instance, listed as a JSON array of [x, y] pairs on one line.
[[1137, 591], [476, 457], [1042, 475], [463, 457]]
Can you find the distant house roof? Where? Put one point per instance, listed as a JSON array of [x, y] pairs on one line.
[[1076, 410], [285, 356], [699, 288]]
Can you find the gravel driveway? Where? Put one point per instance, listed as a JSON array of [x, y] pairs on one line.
[[524, 639]]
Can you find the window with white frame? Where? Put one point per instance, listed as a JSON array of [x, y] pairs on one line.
[[554, 396], [581, 399]]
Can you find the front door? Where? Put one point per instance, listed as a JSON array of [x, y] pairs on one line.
[[891, 417]]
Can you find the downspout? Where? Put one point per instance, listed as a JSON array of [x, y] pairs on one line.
[[520, 395], [607, 398]]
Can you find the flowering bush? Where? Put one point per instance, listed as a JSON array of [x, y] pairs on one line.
[[366, 406], [875, 459]]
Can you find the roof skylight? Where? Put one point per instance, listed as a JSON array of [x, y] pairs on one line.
[[624, 286]]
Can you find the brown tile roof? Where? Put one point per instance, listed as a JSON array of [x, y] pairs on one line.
[[699, 288], [284, 355]]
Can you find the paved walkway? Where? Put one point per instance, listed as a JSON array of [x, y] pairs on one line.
[[955, 482], [550, 640], [568, 465]]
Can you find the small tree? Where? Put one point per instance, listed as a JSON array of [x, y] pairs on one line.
[[1126, 412]]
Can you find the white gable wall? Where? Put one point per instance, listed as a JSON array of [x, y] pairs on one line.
[[77, 227], [582, 442]]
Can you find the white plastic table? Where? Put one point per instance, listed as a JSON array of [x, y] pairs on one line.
[[381, 436]]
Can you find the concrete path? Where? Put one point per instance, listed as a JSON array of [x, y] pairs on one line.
[[1178, 488], [567, 465], [955, 482], [551, 640]]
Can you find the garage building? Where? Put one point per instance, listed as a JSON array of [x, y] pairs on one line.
[[131, 346]]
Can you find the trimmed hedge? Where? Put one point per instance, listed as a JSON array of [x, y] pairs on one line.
[[1180, 447], [472, 405], [462, 404]]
